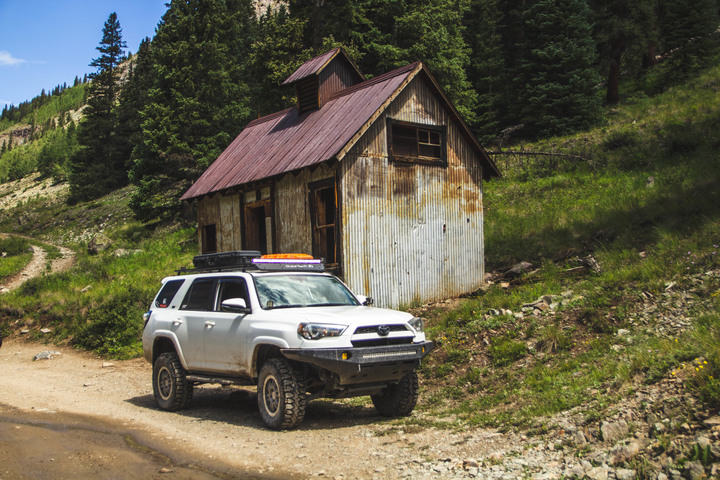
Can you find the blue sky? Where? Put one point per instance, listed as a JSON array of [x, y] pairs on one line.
[[44, 43]]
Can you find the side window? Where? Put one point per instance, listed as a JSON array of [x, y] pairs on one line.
[[200, 296], [232, 288], [417, 143], [167, 293]]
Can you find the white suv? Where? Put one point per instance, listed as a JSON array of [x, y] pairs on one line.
[[284, 325]]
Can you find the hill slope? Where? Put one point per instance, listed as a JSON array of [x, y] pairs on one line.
[[605, 341]]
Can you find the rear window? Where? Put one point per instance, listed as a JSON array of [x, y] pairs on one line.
[[200, 296], [167, 293]]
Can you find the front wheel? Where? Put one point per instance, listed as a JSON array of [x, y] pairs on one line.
[[398, 399], [170, 386], [280, 399]]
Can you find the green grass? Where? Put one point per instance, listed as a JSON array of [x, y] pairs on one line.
[[646, 206]]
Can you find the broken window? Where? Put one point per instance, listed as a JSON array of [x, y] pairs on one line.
[[323, 214], [209, 239], [412, 142]]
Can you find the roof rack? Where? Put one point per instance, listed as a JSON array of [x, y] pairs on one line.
[[252, 259]]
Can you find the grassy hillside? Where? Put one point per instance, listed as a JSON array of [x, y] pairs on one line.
[[625, 239], [622, 288]]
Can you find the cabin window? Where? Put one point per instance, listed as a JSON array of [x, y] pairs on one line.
[[417, 143], [209, 239], [323, 215]]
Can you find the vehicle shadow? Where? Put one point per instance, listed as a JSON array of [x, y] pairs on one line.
[[238, 406]]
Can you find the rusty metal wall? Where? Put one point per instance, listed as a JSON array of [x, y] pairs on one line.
[[412, 232], [292, 212]]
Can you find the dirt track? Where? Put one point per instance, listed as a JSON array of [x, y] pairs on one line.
[[222, 431]]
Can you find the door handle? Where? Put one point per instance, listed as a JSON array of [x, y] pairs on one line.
[[209, 323], [177, 322]]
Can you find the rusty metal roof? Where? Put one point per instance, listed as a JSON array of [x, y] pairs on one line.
[[287, 141], [315, 65]]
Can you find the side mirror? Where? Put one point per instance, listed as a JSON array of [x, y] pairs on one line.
[[365, 300], [235, 305]]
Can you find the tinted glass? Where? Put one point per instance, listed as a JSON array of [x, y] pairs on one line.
[[282, 291], [167, 293], [200, 296], [232, 288]]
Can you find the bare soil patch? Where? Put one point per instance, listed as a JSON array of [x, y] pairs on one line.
[[222, 428]]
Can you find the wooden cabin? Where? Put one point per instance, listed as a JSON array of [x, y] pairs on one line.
[[382, 178]]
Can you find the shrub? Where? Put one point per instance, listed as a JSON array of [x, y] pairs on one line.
[[14, 246], [504, 350], [114, 327]]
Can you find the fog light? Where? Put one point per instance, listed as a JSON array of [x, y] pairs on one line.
[[345, 355]]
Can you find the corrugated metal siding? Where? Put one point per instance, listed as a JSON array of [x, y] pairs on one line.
[[294, 234], [337, 76], [412, 231]]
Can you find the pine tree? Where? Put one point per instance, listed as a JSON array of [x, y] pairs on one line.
[[486, 69], [395, 33], [133, 98], [687, 30], [199, 100], [623, 31], [95, 169], [277, 51], [556, 82]]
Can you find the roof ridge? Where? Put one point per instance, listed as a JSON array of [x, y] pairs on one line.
[[266, 118], [375, 80]]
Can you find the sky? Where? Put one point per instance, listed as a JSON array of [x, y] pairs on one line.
[[45, 43]]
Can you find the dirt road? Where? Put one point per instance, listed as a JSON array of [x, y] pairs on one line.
[[76, 413]]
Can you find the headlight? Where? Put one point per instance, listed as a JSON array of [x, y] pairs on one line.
[[314, 331], [417, 323]]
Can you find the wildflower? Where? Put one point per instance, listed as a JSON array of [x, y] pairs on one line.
[[697, 369], [705, 362], [673, 374]]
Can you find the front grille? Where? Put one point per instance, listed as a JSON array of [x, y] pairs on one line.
[[381, 342], [374, 329]]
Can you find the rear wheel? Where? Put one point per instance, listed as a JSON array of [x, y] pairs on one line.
[[398, 399], [280, 398], [170, 386]]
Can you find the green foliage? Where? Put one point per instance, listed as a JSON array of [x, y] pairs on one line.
[[198, 102], [12, 246], [96, 167], [115, 324], [556, 79], [504, 350]]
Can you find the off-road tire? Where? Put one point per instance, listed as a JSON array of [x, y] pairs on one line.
[[398, 399], [281, 399], [170, 386]]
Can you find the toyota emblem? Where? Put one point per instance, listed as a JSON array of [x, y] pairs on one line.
[[383, 330]]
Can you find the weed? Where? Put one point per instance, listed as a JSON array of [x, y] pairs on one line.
[[504, 350]]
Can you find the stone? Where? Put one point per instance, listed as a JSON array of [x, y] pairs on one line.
[[45, 330], [625, 474], [694, 471], [518, 269], [613, 431], [45, 355], [470, 463], [597, 473]]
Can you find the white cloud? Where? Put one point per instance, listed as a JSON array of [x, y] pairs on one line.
[[6, 58]]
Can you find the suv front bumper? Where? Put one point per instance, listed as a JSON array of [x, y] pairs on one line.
[[364, 364]]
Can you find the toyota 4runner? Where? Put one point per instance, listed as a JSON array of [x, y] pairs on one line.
[[282, 323]]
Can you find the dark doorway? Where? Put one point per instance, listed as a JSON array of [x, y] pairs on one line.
[[323, 213], [258, 221]]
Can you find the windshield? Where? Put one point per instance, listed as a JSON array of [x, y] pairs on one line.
[[283, 291]]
